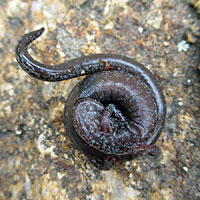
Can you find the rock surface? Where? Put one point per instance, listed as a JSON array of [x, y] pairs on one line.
[[37, 160]]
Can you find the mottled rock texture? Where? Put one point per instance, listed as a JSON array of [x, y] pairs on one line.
[[37, 159]]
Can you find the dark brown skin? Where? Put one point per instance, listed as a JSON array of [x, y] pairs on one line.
[[115, 113]]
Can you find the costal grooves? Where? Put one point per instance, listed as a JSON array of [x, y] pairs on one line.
[[116, 112]]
